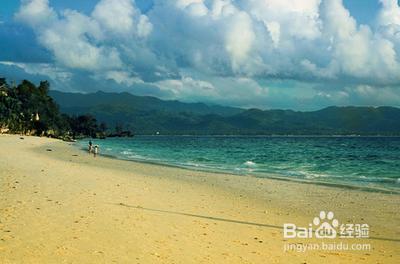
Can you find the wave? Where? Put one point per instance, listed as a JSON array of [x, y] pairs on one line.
[[250, 163], [126, 152], [192, 164], [311, 164]]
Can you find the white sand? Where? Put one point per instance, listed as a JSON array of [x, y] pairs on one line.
[[64, 206]]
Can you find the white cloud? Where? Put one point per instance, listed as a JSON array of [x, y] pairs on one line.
[[69, 40], [115, 15], [201, 48], [121, 17], [371, 95], [194, 7], [187, 87], [86, 42], [122, 77], [239, 39], [243, 92], [388, 22], [144, 27], [390, 13], [35, 12], [356, 50], [186, 3], [222, 8], [46, 69], [299, 19], [255, 38]]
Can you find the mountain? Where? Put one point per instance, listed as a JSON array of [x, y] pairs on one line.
[[71, 102], [148, 115], [328, 121]]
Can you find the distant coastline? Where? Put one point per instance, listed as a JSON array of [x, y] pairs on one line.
[[36, 110], [144, 115]]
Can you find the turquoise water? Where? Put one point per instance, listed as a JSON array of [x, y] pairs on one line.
[[372, 162]]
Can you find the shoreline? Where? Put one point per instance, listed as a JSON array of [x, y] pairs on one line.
[[68, 206], [271, 176], [301, 136]]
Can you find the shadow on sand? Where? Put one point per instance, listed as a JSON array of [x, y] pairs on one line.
[[228, 220]]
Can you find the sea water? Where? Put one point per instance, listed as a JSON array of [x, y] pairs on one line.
[[367, 162]]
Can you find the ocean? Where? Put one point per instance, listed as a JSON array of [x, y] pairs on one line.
[[371, 163]]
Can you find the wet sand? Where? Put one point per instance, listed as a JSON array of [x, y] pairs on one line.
[[60, 205]]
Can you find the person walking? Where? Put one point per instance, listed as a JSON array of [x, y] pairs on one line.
[[96, 150], [90, 146]]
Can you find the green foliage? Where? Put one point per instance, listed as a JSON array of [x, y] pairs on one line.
[[124, 113], [148, 115], [84, 125], [30, 110]]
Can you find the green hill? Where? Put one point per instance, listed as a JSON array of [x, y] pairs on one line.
[[148, 115], [118, 101]]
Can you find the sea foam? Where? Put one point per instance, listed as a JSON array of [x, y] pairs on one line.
[[250, 163]]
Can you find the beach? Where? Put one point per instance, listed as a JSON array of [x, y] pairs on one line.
[[58, 204]]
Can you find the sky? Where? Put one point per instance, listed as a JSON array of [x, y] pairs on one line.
[[287, 54]]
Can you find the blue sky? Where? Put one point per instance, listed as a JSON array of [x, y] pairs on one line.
[[301, 55]]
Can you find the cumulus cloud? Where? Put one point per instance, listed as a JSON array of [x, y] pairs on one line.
[[86, 42], [240, 39], [36, 13], [256, 38], [115, 15], [121, 17], [388, 22], [390, 13], [194, 7], [202, 48], [356, 51], [70, 40], [278, 39]]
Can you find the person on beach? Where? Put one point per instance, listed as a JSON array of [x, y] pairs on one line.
[[96, 150], [90, 146]]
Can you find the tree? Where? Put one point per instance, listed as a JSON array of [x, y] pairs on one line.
[[84, 125], [20, 105], [103, 127], [3, 83], [44, 87], [118, 128]]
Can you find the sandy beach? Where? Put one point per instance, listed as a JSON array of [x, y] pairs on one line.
[[59, 204]]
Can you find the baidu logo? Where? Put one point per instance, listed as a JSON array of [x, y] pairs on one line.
[[326, 226]]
